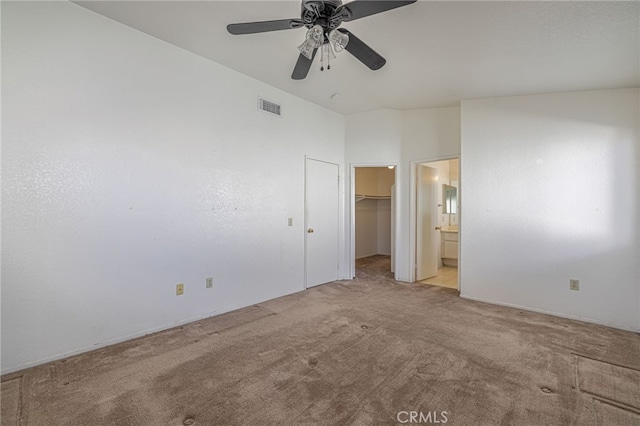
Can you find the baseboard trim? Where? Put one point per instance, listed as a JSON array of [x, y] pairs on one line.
[[102, 345], [555, 314]]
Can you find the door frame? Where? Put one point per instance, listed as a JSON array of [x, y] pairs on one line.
[[413, 217], [352, 214]]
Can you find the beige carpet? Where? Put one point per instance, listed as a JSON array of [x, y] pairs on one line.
[[364, 352]]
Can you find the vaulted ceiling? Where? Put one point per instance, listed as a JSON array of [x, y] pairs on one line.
[[437, 52]]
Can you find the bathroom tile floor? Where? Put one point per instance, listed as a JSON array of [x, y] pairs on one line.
[[447, 277]]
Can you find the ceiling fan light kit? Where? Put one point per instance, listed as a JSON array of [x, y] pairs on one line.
[[338, 40], [322, 19], [313, 40]]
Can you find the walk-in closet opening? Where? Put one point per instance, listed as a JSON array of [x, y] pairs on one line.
[[374, 213]]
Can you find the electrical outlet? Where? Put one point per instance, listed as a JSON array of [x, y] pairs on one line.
[[574, 285], [290, 221], [179, 289], [209, 282]]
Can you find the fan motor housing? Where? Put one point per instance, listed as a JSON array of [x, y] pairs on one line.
[[321, 12]]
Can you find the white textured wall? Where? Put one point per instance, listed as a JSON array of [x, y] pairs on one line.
[[374, 137], [129, 166], [551, 192]]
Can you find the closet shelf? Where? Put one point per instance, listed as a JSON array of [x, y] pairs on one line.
[[360, 197]]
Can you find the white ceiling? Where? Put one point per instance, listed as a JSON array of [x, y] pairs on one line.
[[438, 52]]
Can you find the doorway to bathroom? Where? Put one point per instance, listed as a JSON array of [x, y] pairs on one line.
[[437, 232]]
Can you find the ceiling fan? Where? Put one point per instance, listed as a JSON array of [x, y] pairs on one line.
[[322, 19]]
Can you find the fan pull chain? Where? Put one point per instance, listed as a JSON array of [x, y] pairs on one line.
[[327, 50]]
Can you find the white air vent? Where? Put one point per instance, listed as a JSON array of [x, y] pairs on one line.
[[270, 107]]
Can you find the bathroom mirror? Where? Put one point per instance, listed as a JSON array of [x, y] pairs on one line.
[[450, 199]]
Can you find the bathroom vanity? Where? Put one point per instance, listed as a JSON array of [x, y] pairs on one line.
[[449, 249]]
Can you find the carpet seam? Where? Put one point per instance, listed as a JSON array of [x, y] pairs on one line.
[[605, 362], [600, 398], [20, 393], [613, 403], [19, 411], [576, 367]]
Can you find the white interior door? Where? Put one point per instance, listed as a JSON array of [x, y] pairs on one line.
[[427, 237], [321, 222]]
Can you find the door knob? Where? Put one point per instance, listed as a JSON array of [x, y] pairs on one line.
[[310, 230], [438, 228]]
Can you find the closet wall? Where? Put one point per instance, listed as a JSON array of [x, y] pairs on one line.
[[373, 210]]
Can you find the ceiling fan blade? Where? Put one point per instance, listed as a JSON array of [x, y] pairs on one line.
[[264, 26], [363, 52], [303, 66], [360, 8]]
